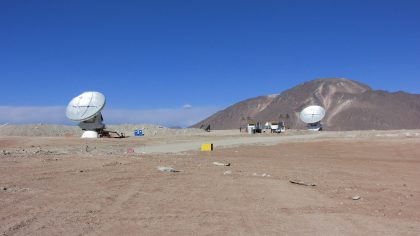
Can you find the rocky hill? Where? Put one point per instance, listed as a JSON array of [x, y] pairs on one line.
[[349, 105]]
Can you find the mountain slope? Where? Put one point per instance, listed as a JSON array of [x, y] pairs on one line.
[[349, 105]]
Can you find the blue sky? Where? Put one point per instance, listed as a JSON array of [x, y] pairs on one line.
[[153, 56]]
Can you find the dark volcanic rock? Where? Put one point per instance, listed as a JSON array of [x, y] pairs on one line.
[[349, 105]]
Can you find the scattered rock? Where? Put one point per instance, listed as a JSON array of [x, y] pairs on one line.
[[298, 182], [167, 169], [221, 164], [15, 189], [130, 150], [112, 164], [356, 198], [261, 175], [228, 172]]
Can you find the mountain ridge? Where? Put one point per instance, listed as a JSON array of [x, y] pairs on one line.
[[349, 104]]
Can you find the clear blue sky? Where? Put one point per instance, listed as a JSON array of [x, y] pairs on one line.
[[164, 54]]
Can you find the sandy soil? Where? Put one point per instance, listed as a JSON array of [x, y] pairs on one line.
[[70, 186]]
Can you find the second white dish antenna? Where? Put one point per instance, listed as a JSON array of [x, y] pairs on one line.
[[312, 114]]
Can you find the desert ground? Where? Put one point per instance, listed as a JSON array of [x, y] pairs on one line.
[[351, 183]]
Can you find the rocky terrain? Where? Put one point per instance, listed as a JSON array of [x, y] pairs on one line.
[[49, 130], [293, 183], [349, 105]]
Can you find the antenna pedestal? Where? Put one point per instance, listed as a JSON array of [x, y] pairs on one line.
[[314, 126], [92, 127], [89, 134]]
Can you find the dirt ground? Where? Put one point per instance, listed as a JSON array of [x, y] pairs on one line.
[[71, 186]]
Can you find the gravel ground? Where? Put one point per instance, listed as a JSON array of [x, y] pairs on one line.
[[47, 130], [349, 183]]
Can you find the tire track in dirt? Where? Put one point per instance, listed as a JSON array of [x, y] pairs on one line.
[[248, 217], [19, 226], [111, 212]]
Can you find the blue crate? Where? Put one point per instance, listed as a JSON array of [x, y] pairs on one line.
[[138, 132]]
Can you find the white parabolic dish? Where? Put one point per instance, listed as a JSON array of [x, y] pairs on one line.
[[312, 114], [85, 106]]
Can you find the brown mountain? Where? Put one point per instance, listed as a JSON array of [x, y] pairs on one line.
[[349, 105]]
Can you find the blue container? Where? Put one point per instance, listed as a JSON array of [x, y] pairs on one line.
[[138, 132]]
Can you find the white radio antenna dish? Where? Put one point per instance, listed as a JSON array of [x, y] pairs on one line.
[[86, 109], [312, 115], [85, 106]]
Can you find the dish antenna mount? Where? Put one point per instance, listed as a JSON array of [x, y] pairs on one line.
[[312, 115], [86, 109]]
